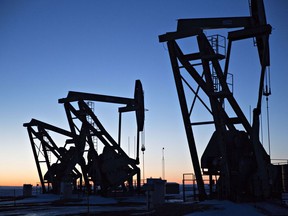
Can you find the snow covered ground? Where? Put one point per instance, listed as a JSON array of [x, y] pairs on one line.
[[96, 204], [49, 204], [227, 208]]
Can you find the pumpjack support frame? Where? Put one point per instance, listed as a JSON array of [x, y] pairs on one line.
[[228, 144], [109, 169]]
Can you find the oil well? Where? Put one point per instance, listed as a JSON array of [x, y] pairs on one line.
[[79, 159], [234, 154], [234, 159]]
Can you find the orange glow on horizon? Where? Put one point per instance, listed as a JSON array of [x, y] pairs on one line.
[[35, 181], [19, 178]]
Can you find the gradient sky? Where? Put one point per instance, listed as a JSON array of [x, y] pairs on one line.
[[48, 48]]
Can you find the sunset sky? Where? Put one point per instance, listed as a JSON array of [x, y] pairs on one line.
[[48, 48]]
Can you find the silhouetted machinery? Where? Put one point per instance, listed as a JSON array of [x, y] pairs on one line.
[[79, 159], [234, 153]]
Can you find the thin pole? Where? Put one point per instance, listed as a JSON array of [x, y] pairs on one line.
[[119, 128], [250, 114], [143, 170], [268, 127], [261, 123], [143, 149], [163, 164], [128, 146], [134, 147]]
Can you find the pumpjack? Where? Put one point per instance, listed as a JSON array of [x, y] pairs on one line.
[[78, 159], [234, 153]]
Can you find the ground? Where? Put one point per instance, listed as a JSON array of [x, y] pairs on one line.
[[48, 204]]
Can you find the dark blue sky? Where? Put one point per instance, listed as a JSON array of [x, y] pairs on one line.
[[50, 47]]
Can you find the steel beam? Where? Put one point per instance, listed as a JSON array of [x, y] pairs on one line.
[[186, 119]]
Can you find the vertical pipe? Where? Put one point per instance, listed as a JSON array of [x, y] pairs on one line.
[[119, 128], [268, 128], [227, 59], [143, 170], [163, 164], [138, 180], [128, 146], [183, 188], [137, 151]]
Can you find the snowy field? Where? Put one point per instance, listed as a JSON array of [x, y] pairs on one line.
[[227, 208], [49, 204], [41, 205]]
